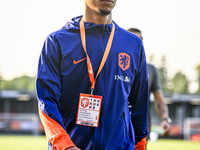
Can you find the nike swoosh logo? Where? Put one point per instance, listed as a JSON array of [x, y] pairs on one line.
[[76, 62]]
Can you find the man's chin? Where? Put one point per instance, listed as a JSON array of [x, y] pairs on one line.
[[104, 12]]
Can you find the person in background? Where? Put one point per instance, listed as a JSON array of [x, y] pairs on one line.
[[88, 73], [155, 88]]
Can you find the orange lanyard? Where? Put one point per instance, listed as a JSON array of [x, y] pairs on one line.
[[107, 50]]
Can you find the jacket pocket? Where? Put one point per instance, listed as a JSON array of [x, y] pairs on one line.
[[128, 145]]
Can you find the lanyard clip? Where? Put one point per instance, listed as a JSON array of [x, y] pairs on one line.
[[92, 91]]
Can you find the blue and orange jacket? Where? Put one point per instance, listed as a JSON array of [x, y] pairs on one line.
[[123, 81]]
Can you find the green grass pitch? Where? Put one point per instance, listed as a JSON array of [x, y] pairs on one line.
[[40, 143], [168, 144], [8, 142]]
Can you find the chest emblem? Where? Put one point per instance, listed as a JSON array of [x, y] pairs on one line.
[[124, 61]]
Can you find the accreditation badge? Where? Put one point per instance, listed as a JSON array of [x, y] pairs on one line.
[[89, 108]]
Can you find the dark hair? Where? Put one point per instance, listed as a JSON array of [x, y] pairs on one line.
[[134, 30]]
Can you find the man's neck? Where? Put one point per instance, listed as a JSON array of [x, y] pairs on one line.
[[94, 17]]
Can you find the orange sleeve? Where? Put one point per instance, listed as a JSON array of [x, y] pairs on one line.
[[55, 133], [141, 145]]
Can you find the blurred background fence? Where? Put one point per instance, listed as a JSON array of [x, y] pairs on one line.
[[19, 115], [184, 111]]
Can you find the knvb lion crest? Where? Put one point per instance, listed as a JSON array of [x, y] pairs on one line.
[[84, 102], [124, 61]]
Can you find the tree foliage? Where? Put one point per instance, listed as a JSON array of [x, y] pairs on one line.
[[23, 83], [197, 69], [163, 76], [177, 84], [180, 83]]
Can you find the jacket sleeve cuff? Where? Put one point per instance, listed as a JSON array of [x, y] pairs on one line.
[[55, 133], [141, 144], [61, 142]]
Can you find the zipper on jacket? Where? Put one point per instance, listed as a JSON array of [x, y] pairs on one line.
[[103, 28], [99, 144]]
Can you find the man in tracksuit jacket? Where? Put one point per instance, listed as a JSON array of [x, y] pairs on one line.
[[64, 73]]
